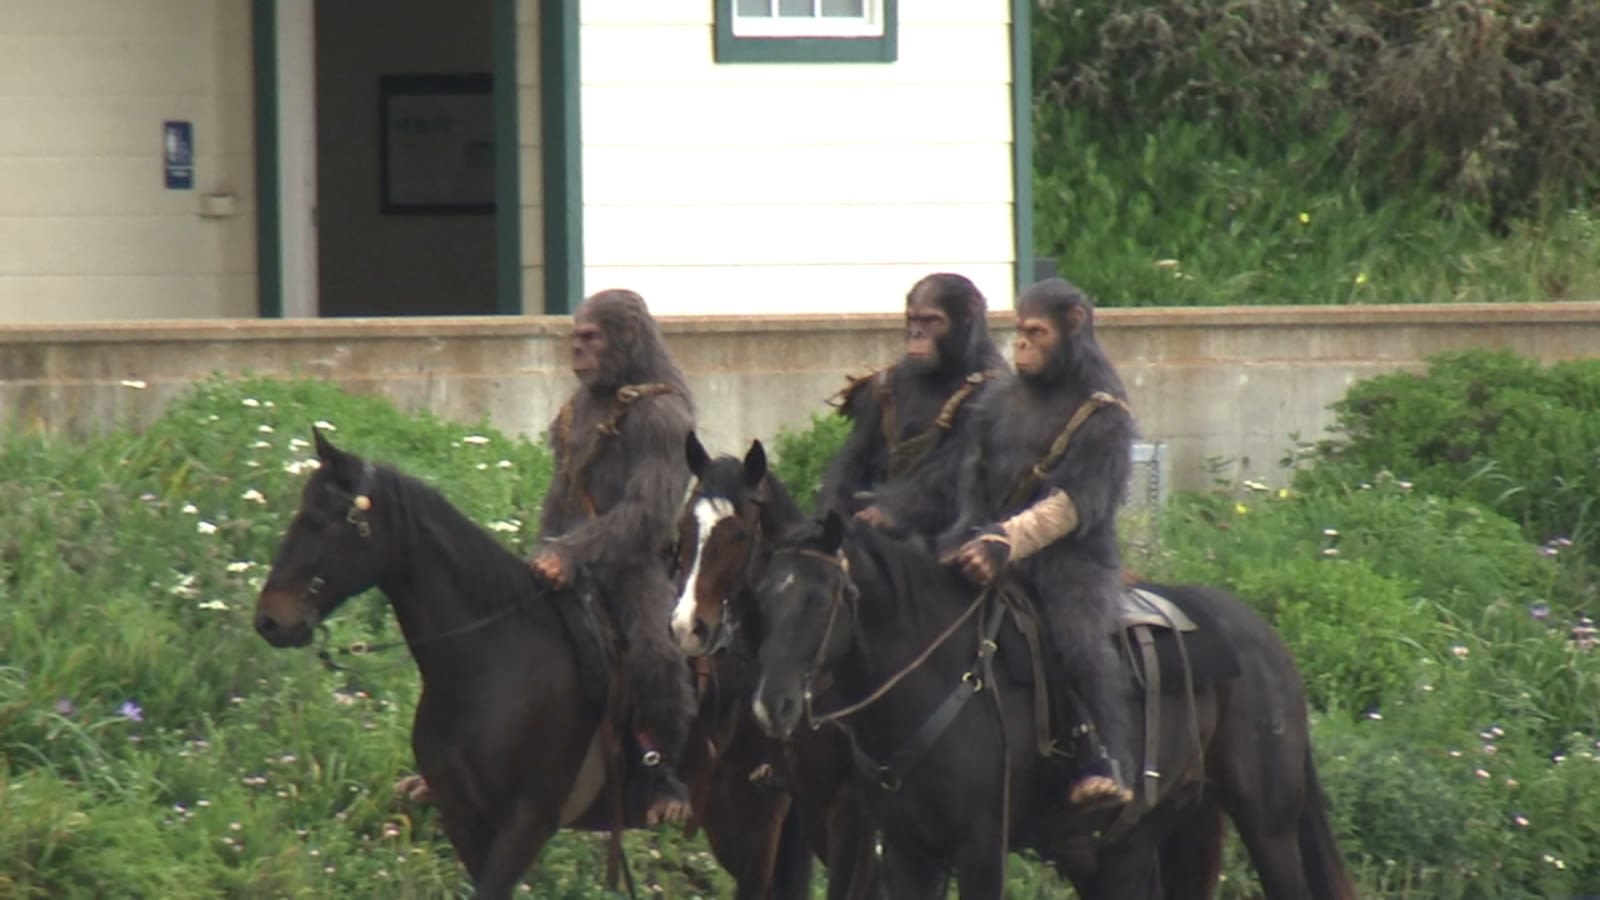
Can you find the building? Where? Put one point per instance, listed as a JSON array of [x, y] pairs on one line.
[[244, 158]]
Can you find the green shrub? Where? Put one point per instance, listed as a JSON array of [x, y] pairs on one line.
[[1196, 153], [801, 455], [1488, 425]]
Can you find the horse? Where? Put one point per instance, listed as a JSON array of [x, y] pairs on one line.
[[955, 785], [514, 739], [725, 528]]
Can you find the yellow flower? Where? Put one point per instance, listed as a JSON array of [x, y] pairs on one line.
[[1305, 218], [1361, 278], [1283, 493], [1240, 508]]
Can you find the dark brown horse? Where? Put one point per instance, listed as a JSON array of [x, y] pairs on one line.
[[509, 734], [725, 533], [865, 611]]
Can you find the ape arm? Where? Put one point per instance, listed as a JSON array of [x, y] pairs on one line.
[[653, 434], [851, 468], [1085, 488]]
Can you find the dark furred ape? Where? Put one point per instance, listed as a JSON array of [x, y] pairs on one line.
[[897, 468], [1058, 533], [618, 481]]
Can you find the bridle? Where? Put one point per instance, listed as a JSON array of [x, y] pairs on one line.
[[844, 590], [355, 515]]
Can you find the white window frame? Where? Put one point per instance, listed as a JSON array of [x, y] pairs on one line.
[[869, 25]]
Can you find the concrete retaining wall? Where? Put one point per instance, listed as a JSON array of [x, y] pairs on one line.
[[1226, 383]]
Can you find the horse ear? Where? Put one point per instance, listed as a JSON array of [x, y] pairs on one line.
[[696, 454], [338, 463], [832, 532], [326, 451], [755, 465]]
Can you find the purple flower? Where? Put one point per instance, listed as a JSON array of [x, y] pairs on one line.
[[1563, 542], [1539, 610], [64, 707], [131, 711]]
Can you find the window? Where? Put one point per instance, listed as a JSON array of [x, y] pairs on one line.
[[801, 31]]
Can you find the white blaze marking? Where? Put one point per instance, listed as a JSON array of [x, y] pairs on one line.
[[759, 707], [708, 511]]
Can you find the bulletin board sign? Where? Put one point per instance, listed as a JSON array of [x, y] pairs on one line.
[[436, 144]]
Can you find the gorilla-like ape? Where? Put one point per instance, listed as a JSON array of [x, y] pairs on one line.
[[898, 466], [619, 478], [1043, 481]]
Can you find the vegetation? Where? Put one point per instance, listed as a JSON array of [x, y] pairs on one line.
[[1189, 152], [152, 745]]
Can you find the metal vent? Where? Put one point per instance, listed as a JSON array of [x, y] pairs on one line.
[[1147, 497]]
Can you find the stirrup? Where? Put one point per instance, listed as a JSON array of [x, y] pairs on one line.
[[651, 758]]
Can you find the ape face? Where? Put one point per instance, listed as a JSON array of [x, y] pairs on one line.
[[927, 333]]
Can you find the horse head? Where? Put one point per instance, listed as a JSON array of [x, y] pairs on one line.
[[330, 552], [803, 597], [719, 546]]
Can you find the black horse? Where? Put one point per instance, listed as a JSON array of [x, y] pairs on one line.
[[724, 540], [508, 733], [883, 621]]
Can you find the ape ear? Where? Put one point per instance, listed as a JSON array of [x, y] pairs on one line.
[[755, 465], [696, 454], [1076, 316], [832, 532]]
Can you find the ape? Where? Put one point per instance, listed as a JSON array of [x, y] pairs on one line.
[[897, 468], [1041, 485], [614, 495]]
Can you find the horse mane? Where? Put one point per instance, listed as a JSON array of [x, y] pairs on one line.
[[485, 571], [903, 567]]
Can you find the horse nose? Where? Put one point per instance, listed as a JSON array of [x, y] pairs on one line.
[[266, 626]]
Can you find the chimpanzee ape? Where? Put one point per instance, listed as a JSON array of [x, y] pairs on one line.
[[898, 466], [618, 481], [1045, 475]]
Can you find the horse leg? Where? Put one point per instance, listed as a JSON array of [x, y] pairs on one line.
[[1191, 855], [852, 851], [1129, 871], [1274, 850], [909, 874], [514, 848]]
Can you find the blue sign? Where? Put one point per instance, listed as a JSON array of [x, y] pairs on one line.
[[177, 151]]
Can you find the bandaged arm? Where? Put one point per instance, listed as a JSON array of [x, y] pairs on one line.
[[1041, 524]]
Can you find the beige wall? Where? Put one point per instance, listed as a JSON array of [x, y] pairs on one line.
[[1228, 383], [371, 263], [87, 228], [763, 188]]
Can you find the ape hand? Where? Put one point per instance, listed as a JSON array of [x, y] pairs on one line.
[[876, 517], [982, 558], [549, 568]]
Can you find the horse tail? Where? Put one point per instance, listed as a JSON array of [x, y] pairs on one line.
[[1319, 852], [791, 869]]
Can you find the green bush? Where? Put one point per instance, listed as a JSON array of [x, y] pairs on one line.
[[1195, 153], [1487, 425]]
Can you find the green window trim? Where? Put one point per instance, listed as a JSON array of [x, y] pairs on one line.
[[731, 48]]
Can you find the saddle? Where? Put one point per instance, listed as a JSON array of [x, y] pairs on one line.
[[1165, 651]]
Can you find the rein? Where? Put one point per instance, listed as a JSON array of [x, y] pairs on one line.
[[845, 585], [889, 774], [356, 516]]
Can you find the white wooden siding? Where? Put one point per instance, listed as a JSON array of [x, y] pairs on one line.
[[750, 188], [87, 228]]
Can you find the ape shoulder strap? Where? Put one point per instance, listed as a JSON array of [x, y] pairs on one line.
[[624, 399], [905, 455], [1031, 480]]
